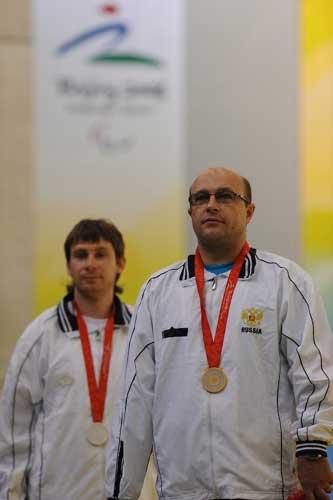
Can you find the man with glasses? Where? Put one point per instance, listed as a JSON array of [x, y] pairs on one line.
[[229, 368]]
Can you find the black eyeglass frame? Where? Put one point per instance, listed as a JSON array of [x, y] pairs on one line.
[[234, 196]]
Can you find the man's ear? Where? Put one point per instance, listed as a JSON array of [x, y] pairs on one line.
[[249, 212], [121, 263], [189, 211], [68, 269]]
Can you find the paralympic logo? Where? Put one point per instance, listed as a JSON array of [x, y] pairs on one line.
[[119, 32]]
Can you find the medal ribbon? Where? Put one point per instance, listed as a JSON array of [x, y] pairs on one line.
[[213, 347], [97, 393]]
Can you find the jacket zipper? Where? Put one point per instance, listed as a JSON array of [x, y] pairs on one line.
[[210, 431]]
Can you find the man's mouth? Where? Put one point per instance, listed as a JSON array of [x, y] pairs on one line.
[[212, 220]]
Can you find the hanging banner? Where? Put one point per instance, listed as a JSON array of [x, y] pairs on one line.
[[317, 143], [109, 132]]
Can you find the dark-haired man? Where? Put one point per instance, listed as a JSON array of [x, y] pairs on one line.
[[229, 370], [62, 380]]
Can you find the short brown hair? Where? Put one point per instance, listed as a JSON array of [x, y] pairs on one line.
[[93, 230]]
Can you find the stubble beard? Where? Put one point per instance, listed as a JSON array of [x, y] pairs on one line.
[[219, 245], [214, 245], [89, 293]]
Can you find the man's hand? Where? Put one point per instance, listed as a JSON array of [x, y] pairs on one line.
[[315, 477]]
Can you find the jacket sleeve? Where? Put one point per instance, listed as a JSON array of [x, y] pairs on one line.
[[131, 440], [18, 409], [308, 346]]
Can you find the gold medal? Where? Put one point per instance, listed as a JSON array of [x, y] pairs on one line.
[[214, 379], [97, 434]]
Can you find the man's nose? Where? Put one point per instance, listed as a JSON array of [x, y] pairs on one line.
[[212, 203], [90, 260]]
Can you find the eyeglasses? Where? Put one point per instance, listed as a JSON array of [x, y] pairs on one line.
[[222, 197]]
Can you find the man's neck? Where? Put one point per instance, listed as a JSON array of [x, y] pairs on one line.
[[94, 307], [220, 254]]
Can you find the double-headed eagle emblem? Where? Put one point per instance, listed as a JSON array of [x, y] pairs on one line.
[[252, 316]]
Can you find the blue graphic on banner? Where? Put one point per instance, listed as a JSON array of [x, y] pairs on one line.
[[120, 32]]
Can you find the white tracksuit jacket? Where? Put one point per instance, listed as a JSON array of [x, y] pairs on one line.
[[239, 443], [45, 410]]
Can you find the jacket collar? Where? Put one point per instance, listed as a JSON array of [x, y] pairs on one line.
[[67, 317], [247, 270]]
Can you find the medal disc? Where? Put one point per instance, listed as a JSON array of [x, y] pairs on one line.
[[214, 379], [97, 434]]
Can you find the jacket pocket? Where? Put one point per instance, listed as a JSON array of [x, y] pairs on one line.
[[58, 387], [174, 332]]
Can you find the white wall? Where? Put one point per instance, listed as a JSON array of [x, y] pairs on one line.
[[243, 107], [16, 175]]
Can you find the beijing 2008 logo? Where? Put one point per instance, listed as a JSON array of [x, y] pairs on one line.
[[111, 102], [117, 32]]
